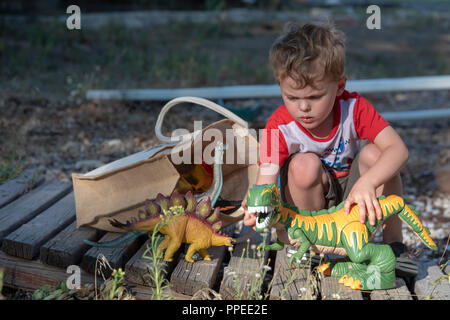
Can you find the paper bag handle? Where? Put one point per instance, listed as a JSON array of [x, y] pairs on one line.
[[200, 101]]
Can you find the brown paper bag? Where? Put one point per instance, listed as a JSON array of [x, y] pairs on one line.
[[118, 189]]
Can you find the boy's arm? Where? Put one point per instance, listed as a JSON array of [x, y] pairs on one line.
[[394, 156], [267, 174]]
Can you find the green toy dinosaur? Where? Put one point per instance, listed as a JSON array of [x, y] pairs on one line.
[[371, 266], [192, 221]]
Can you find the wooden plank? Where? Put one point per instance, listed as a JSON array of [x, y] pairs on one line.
[[26, 241], [67, 247], [429, 284], [32, 274], [188, 278], [31, 204], [400, 292], [116, 256], [137, 268], [14, 188], [245, 268], [331, 289], [292, 283]]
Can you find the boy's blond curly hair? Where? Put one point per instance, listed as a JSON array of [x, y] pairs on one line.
[[307, 53]]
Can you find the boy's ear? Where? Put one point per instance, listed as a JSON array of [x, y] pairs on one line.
[[341, 85]]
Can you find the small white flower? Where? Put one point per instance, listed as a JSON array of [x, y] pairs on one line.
[[336, 296], [303, 289], [322, 255], [267, 268], [257, 275], [253, 246]]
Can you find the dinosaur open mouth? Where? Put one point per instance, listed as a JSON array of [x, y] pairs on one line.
[[264, 216]]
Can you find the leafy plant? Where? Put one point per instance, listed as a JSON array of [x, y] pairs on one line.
[[157, 274]]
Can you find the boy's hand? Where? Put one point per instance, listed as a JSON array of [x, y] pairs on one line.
[[364, 195], [249, 218]]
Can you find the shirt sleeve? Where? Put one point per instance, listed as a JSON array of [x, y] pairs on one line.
[[272, 147], [368, 122]]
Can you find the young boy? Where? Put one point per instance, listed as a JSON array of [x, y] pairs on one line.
[[314, 152]]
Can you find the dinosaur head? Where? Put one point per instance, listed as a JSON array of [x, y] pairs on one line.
[[265, 201], [222, 240]]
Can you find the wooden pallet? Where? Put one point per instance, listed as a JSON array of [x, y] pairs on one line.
[[39, 241]]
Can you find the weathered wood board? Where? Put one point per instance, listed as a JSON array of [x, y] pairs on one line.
[[32, 274], [116, 256], [137, 268], [292, 283], [14, 188], [67, 247], [400, 292], [245, 269], [330, 289], [31, 204], [25, 242], [188, 278]]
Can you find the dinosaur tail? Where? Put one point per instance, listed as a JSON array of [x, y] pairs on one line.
[[130, 235], [395, 205]]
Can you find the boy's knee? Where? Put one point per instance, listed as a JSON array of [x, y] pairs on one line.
[[369, 155], [305, 169]]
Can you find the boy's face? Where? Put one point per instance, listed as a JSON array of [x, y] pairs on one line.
[[310, 106]]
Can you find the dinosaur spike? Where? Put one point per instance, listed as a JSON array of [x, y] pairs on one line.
[[151, 208], [203, 208], [217, 226], [176, 199], [214, 217], [162, 201], [142, 214], [191, 202]]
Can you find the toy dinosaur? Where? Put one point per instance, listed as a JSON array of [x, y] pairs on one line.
[[371, 266], [192, 221], [189, 222]]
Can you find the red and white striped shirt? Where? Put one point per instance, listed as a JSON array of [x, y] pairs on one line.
[[354, 119]]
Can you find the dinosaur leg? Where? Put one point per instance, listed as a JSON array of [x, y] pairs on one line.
[[163, 246], [172, 247], [191, 250], [304, 246], [380, 271], [205, 255], [371, 268]]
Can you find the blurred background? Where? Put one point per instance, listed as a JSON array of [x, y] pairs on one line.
[[47, 123]]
